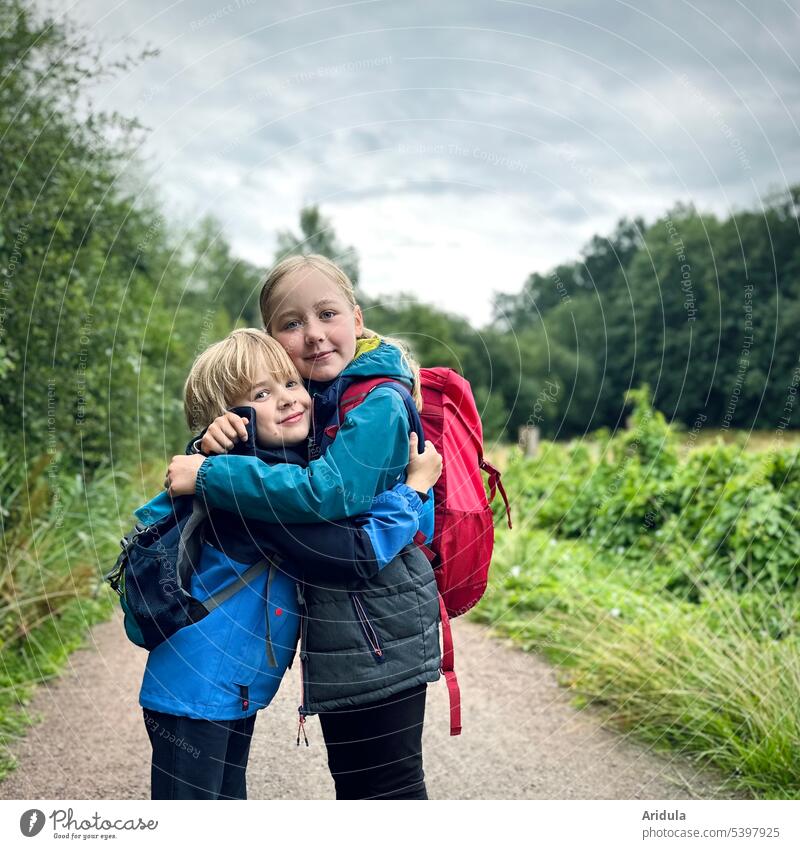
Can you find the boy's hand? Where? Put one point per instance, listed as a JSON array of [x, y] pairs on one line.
[[223, 433], [182, 474], [424, 469]]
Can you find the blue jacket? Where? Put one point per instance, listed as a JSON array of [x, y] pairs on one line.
[[368, 455], [370, 637], [230, 664]]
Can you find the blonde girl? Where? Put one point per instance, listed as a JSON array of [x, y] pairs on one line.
[[368, 650]]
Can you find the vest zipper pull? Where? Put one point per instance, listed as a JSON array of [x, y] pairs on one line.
[[301, 726]]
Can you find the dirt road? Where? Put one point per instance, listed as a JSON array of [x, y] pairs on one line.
[[521, 738]]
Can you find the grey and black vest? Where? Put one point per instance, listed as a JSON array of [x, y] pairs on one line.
[[368, 639]]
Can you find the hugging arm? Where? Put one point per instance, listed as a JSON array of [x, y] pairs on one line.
[[352, 548], [369, 453]]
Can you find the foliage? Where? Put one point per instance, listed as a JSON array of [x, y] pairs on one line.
[[317, 236], [714, 679], [60, 535], [700, 308], [101, 313], [217, 278], [718, 514]]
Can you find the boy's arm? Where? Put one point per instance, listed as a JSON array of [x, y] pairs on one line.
[[353, 548], [370, 449]]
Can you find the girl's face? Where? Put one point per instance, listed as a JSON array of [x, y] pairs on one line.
[[282, 410], [315, 324]]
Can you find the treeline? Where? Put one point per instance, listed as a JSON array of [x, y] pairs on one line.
[[699, 308], [702, 309], [104, 303]]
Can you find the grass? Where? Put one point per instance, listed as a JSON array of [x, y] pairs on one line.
[[60, 536], [704, 678]]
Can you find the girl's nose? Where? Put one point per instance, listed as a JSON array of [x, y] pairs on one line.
[[315, 332]]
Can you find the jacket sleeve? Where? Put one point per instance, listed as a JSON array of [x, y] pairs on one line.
[[352, 548], [369, 455]]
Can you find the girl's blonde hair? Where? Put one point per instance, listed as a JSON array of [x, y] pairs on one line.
[[333, 272], [227, 370]]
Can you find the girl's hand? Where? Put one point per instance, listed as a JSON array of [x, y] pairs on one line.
[[223, 432], [424, 469], [182, 474]]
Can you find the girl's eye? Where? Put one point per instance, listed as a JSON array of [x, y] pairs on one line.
[[327, 314], [291, 325]]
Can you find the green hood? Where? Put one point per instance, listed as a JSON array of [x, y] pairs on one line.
[[376, 358]]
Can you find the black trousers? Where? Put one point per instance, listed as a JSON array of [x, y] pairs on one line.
[[375, 750], [198, 758]]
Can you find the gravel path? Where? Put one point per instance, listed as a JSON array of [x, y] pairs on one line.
[[521, 738]]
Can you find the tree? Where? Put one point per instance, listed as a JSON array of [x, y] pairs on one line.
[[317, 236], [218, 277], [94, 342]]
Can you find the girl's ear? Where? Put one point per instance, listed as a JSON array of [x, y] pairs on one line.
[[359, 320]]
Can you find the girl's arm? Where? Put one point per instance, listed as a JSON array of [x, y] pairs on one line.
[[362, 546], [369, 455], [353, 548]]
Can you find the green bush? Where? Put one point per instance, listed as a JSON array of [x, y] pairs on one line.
[[60, 535], [720, 514]]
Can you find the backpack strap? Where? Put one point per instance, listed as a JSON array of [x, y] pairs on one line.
[[268, 629], [453, 690], [245, 579], [191, 541], [448, 653], [356, 394], [494, 484]]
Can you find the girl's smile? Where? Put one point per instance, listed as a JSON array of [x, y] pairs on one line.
[[315, 324]]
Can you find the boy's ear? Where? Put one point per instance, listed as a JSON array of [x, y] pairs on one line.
[[359, 320]]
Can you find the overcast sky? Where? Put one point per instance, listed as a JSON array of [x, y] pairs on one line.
[[458, 145]]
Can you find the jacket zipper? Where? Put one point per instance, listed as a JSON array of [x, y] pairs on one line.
[[369, 630], [302, 709], [313, 450]]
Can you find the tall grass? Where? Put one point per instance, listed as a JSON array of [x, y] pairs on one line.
[[705, 678], [60, 534]]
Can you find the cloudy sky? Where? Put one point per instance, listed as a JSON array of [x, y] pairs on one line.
[[458, 145]]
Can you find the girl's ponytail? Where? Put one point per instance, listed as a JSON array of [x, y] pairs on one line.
[[408, 359]]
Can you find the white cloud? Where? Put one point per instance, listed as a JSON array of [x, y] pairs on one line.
[[458, 146]]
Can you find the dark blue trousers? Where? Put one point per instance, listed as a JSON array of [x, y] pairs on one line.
[[198, 758]]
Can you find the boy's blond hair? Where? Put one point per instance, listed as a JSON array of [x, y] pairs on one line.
[[227, 370], [331, 270]]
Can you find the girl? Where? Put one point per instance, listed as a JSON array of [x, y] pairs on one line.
[[203, 686], [368, 653]]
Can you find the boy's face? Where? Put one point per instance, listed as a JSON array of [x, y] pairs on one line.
[[282, 410], [315, 324]]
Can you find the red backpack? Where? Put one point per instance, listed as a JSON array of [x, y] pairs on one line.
[[463, 536]]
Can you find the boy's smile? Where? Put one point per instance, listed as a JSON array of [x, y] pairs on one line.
[[282, 408]]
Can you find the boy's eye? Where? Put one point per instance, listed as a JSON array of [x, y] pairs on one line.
[[262, 393], [290, 384]]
